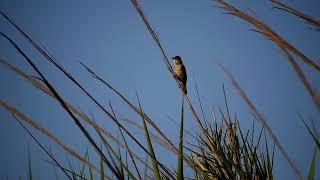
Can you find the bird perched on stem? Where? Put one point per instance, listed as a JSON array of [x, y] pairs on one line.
[[180, 73]]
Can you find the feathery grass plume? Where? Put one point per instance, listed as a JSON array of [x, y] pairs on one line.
[[261, 120], [308, 19], [284, 46], [314, 96], [267, 31]]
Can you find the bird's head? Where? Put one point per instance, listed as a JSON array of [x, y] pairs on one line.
[[176, 60]]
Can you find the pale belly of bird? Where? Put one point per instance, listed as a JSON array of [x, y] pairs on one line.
[[178, 71]]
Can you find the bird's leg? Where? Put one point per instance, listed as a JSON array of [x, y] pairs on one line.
[[177, 78]]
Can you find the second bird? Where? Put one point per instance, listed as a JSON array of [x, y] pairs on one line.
[[180, 73]]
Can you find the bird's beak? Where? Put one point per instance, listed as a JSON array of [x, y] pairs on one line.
[[172, 57]]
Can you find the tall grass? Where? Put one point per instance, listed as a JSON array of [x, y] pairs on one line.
[[223, 149]]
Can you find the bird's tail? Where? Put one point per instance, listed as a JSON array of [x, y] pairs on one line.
[[184, 88]]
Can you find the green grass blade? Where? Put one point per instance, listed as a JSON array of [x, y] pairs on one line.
[[101, 168], [121, 164], [29, 168], [180, 151], [71, 168], [269, 160], [312, 134], [312, 165], [67, 170], [115, 154], [153, 156], [90, 170], [146, 168], [82, 175]]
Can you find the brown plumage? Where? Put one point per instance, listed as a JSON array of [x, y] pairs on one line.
[[180, 73]]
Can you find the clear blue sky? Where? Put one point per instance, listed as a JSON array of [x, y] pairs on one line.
[[109, 36]]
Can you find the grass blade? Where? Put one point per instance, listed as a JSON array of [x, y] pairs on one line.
[[180, 152], [315, 139], [146, 168], [61, 101], [82, 175], [312, 165], [153, 156], [42, 147], [45, 132], [90, 170], [101, 168], [262, 121], [108, 146], [29, 165]]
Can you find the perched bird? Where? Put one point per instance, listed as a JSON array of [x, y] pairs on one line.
[[180, 72]]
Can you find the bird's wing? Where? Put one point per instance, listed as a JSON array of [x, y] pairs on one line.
[[184, 78]]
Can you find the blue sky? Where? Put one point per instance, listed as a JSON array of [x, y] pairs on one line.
[[110, 37]]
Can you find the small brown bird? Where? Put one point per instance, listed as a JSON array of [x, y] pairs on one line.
[[180, 73]]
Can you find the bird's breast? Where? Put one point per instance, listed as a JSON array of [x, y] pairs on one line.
[[178, 70]]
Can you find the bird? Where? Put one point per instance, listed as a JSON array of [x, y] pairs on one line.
[[180, 73]]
